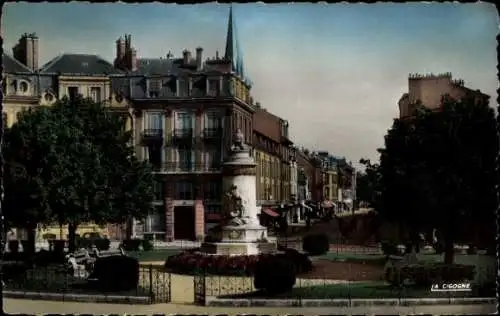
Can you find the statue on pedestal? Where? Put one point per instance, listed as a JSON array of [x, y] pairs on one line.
[[237, 207], [239, 142]]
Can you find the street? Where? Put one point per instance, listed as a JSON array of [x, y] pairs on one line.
[[17, 306]]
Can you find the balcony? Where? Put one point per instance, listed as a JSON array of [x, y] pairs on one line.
[[183, 135], [174, 167], [152, 135], [212, 134]]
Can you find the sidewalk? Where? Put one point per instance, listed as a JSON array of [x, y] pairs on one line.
[[18, 306]]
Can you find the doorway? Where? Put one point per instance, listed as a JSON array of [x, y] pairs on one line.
[[184, 223]]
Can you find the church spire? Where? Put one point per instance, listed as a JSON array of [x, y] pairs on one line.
[[233, 50]]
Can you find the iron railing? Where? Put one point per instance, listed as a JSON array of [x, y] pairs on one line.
[[183, 133], [212, 133], [154, 284], [187, 167], [152, 133]]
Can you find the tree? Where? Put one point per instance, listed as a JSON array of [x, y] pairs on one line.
[[438, 171], [367, 183], [85, 164]]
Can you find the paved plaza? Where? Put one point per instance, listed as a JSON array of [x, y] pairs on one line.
[[48, 307]]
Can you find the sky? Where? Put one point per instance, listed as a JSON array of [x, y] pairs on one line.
[[334, 71]]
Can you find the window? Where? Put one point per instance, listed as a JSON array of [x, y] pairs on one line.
[[185, 159], [183, 90], [154, 88], [158, 190], [184, 120], [212, 120], [213, 87], [154, 121], [155, 221], [23, 86], [184, 190], [155, 156], [212, 209], [213, 190], [95, 94], [72, 93], [212, 158]]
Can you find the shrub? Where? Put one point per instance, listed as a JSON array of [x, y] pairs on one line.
[[147, 245], [426, 275], [13, 246], [84, 243], [102, 244], [13, 271], [472, 250], [390, 249], [116, 273], [27, 246], [190, 262], [301, 261], [131, 244], [274, 275], [316, 244]]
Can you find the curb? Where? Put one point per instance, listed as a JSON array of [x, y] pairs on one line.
[[218, 302], [70, 297]]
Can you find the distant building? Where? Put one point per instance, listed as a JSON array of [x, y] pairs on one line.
[[430, 89], [273, 154]]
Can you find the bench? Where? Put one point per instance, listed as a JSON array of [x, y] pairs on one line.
[[80, 262], [109, 253]]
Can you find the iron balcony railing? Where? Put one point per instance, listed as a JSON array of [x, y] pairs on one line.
[[183, 133], [187, 167], [152, 133], [212, 133]]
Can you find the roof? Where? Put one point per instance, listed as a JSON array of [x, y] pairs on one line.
[[267, 124], [159, 66], [79, 64], [12, 65]]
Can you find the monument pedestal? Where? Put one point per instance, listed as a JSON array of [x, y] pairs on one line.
[[241, 240]]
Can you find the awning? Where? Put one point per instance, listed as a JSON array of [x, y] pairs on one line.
[[327, 204], [270, 212]]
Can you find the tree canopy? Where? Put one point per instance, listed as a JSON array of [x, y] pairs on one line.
[[437, 170], [73, 163]]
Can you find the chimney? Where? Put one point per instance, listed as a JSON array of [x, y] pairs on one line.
[[26, 51], [133, 60], [128, 43], [186, 57], [199, 58], [120, 51]]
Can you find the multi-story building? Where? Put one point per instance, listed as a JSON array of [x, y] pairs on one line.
[[330, 177], [274, 155], [347, 185], [310, 180], [428, 90], [26, 85], [186, 110]]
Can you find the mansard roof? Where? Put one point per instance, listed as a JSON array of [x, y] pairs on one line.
[[12, 65], [79, 64]]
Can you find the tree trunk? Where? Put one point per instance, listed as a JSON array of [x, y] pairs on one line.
[[448, 248], [31, 232], [72, 237], [128, 228]]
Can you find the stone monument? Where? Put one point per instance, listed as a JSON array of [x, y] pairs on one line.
[[240, 232]]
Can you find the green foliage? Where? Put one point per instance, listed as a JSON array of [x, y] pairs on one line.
[[275, 275], [316, 244], [437, 170], [72, 163]]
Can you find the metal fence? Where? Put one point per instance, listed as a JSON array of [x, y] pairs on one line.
[[154, 283], [225, 287]]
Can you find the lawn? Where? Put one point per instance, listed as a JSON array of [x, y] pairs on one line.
[[154, 255], [485, 265], [360, 290]]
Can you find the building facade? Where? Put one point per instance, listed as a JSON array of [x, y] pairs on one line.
[[274, 156], [186, 110], [430, 89]]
